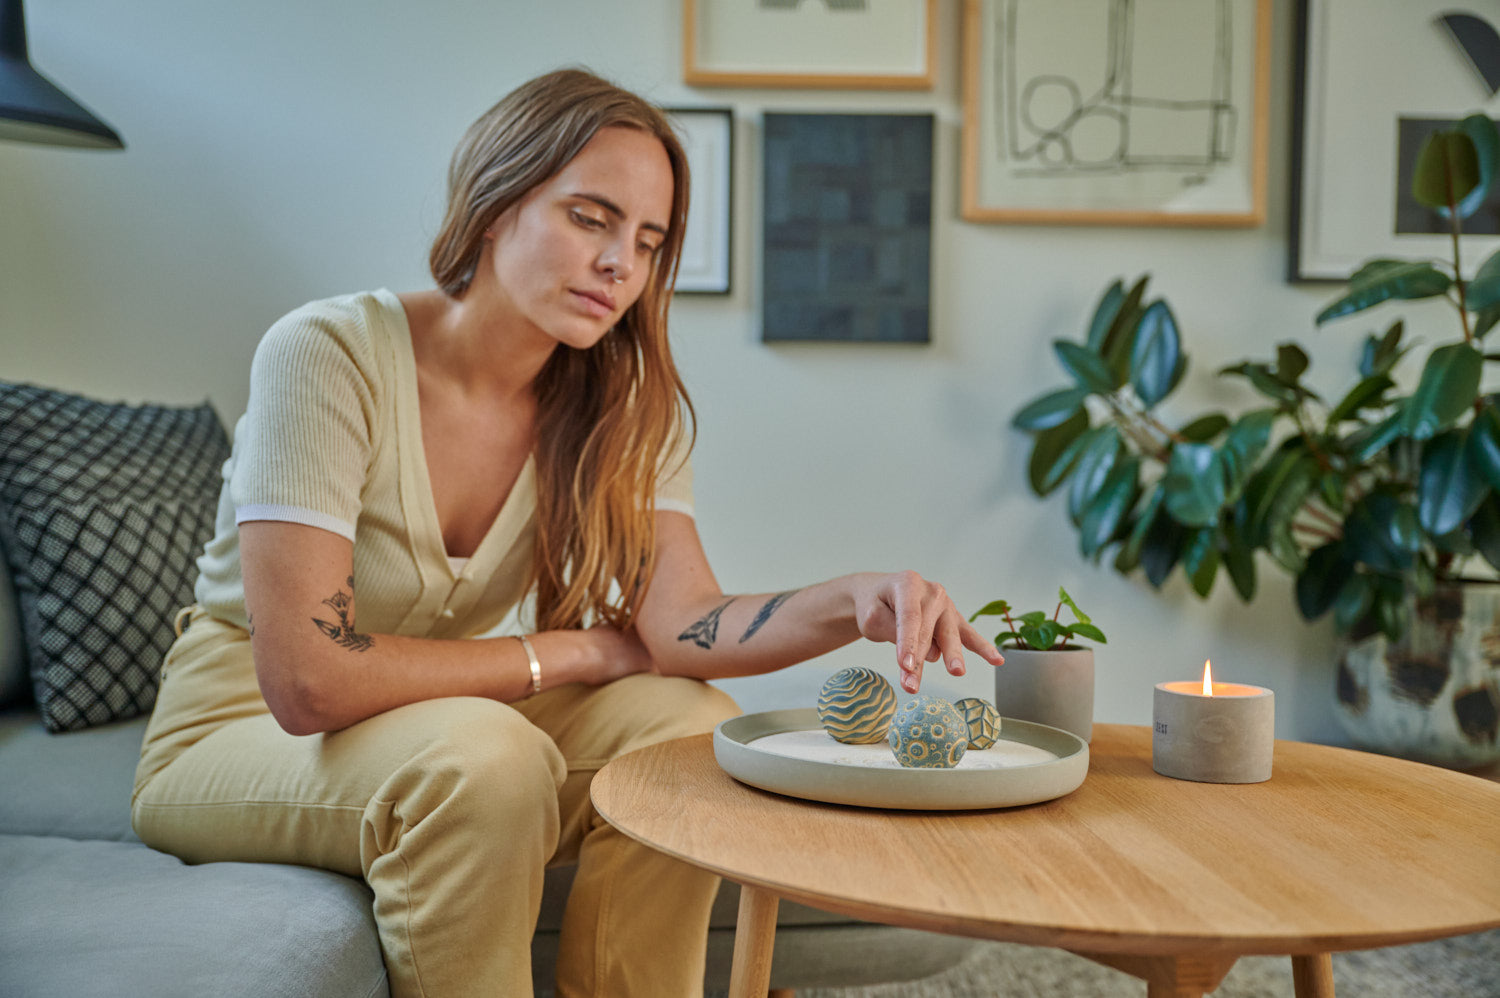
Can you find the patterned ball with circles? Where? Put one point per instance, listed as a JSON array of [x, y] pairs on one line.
[[928, 733]]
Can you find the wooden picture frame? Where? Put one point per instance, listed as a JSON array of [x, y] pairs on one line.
[[1154, 114], [1370, 84], [707, 263], [873, 45]]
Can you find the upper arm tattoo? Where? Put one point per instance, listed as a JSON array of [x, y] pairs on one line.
[[705, 631], [343, 632], [769, 607]]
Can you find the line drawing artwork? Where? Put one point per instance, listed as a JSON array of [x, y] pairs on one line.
[[1115, 88]]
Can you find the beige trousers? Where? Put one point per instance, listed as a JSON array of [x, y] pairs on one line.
[[450, 809]]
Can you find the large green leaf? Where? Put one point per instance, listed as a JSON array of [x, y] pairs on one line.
[[1368, 394], [1120, 336], [1483, 446], [1205, 428], [1449, 386], [1104, 315], [1053, 454], [1105, 513], [1447, 170], [1200, 560], [1086, 367], [1099, 448], [1195, 484], [1265, 381], [1276, 492], [1382, 532], [1145, 515], [1162, 549], [1353, 601], [1367, 441], [1052, 409], [1486, 530], [1483, 292], [1156, 354], [1481, 131], [1242, 447], [1383, 280], [1239, 561], [1319, 583], [1379, 356], [1449, 489]]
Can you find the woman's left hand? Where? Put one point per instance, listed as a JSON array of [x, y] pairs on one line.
[[916, 616]]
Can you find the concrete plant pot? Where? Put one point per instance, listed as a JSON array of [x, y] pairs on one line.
[[1053, 687]]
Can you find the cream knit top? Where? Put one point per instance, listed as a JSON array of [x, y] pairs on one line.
[[332, 438]]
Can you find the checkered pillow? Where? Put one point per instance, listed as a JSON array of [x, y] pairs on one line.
[[104, 510]]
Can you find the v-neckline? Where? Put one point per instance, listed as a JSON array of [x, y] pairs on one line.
[[416, 480]]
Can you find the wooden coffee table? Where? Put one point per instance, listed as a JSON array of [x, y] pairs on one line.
[[1167, 880]]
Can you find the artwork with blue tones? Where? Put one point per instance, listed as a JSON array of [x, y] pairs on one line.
[[848, 227]]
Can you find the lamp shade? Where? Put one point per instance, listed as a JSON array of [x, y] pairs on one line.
[[32, 108]]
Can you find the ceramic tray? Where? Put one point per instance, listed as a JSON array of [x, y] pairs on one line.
[[787, 752]]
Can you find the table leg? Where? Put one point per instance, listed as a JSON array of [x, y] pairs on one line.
[[1312, 976], [754, 937], [1171, 976]]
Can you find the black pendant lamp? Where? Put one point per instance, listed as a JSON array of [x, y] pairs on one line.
[[32, 109]]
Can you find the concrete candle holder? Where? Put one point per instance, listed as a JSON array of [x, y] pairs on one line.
[[1227, 737]]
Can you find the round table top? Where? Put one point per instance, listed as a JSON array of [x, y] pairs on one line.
[[1339, 850]]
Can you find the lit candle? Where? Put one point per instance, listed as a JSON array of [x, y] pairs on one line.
[[1213, 732]]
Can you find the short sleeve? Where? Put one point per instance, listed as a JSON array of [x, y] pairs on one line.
[[674, 491], [304, 446]]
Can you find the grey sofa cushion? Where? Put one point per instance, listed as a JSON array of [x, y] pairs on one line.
[[15, 684], [78, 786], [118, 920], [104, 509]]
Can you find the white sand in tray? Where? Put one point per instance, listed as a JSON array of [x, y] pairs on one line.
[[817, 745]]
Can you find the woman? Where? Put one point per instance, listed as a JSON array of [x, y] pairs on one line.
[[430, 459]]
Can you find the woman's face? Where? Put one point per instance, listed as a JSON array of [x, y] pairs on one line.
[[572, 255]]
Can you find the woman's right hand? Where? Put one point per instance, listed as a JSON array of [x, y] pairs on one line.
[[617, 654]]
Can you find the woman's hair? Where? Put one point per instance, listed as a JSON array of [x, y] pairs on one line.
[[608, 416]]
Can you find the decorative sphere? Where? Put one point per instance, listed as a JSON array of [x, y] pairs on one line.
[[983, 721], [928, 733], [856, 706]]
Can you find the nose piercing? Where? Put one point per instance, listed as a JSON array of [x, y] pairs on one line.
[[618, 279]]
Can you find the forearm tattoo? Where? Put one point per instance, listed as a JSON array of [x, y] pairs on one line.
[[705, 631], [343, 632], [769, 607]]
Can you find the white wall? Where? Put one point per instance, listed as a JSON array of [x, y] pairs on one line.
[[282, 150]]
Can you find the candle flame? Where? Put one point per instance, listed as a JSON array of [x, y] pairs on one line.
[[1208, 678]]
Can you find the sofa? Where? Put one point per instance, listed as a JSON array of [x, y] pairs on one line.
[[86, 909]]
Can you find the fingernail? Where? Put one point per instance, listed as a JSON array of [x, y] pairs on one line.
[[909, 662], [957, 668], [909, 682]]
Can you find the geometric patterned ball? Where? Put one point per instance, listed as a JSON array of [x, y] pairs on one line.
[[856, 706], [928, 733], [983, 721]]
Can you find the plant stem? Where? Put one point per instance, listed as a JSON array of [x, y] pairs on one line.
[[1456, 227]]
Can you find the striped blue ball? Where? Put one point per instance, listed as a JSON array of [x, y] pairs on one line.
[[856, 706], [928, 733]]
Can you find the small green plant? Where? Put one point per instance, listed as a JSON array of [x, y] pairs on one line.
[[1034, 631]]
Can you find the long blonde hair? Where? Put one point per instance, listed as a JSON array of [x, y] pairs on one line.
[[606, 416]]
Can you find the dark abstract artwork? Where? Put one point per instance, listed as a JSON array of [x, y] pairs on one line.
[[848, 227]]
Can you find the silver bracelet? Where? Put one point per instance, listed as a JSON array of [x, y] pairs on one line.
[[536, 666]]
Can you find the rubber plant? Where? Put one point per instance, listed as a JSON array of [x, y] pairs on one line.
[[1364, 498]]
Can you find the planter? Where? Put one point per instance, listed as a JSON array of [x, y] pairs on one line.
[[1434, 696], [1050, 687]]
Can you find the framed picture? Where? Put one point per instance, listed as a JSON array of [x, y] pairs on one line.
[[848, 227], [1103, 112], [853, 44], [1372, 82], [707, 135]]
